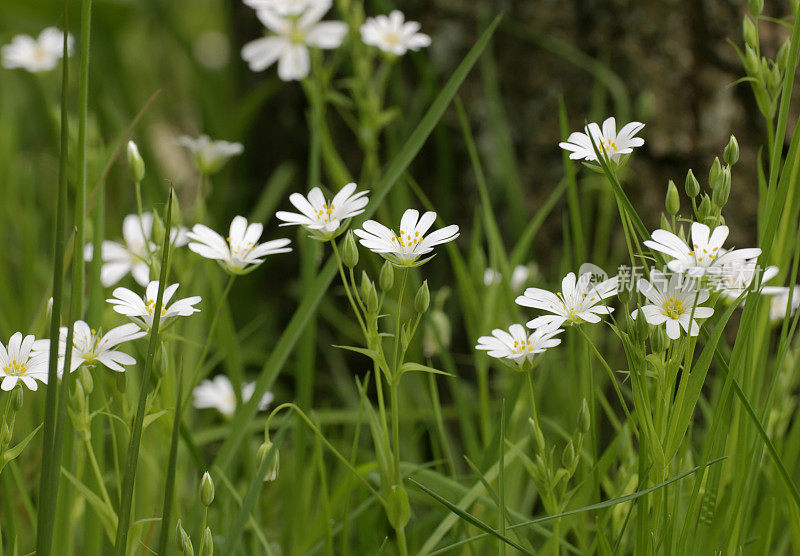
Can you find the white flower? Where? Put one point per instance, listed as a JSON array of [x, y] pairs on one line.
[[737, 277], [616, 145], [88, 346], [139, 310], [675, 302], [781, 297], [218, 393], [577, 302], [35, 55], [324, 218], [291, 39], [132, 256], [491, 277], [519, 276], [240, 253], [405, 248], [517, 345], [209, 156], [18, 362], [704, 256], [281, 7], [392, 34]]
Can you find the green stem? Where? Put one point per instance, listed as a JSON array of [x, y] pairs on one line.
[[347, 289], [87, 440]]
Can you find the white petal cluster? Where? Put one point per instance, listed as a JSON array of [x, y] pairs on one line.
[[781, 299], [240, 252], [19, 363], [209, 156], [705, 255], [578, 301], [132, 256], [517, 345], [295, 27], [674, 301], [140, 310], [393, 34], [615, 145], [218, 393], [405, 248], [36, 55], [325, 219]]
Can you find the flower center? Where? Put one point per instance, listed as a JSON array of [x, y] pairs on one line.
[[521, 346], [297, 35], [673, 308], [391, 38], [151, 307], [704, 254], [325, 214], [406, 240], [611, 145], [238, 249], [15, 368]]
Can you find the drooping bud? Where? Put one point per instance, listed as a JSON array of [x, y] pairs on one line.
[[673, 200], [723, 190], [423, 298], [731, 152], [691, 185], [386, 278], [206, 489], [350, 251], [749, 32], [398, 509], [272, 470], [135, 162]]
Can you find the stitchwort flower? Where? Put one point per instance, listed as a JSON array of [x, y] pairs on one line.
[[239, 253], [780, 298], [286, 8], [217, 393], [578, 301], [325, 219], [675, 302], [140, 310], [19, 363], [516, 345], [36, 55], [209, 156], [616, 145], [291, 39], [406, 247], [393, 34]]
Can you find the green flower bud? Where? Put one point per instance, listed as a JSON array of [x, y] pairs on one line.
[[372, 299], [85, 378], [641, 328], [664, 222], [691, 185], [584, 417], [16, 399], [659, 342], [756, 7], [751, 63], [749, 32], [398, 509], [731, 152], [206, 489], [673, 200], [135, 162], [366, 283], [775, 79], [704, 210], [423, 298], [782, 58], [723, 191], [538, 436], [207, 543], [625, 294], [350, 251], [715, 174], [5, 437], [158, 229], [272, 471], [386, 278], [183, 540], [78, 397], [568, 455], [539, 473]]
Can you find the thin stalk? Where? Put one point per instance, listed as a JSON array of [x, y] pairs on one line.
[[169, 487], [347, 288]]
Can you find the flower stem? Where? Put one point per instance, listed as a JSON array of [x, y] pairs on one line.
[[347, 289]]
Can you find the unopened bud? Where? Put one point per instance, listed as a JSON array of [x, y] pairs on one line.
[[350, 251], [782, 58], [85, 378], [386, 279], [135, 162], [723, 191], [658, 340], [751, 63], [704, 210], [207, 543], [691, 185], [749, 32], [206, 489], [715, 174], [158, 229], [673, 200], [398, 509], [584, 417], [641, 328], [756, 7], [16, 399], [731, 152], [538, 435], [183, 540], [423, 298], [366, 283], [775, 79], [372, 299], [568, 455], [272, 470]]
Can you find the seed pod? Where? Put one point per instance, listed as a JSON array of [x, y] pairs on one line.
[[386, 278], [206, 489], [350, 251], [731, 152], [691, 185], [398, 509], [423, 298], [135, 162], [749, 32], [673, 200]]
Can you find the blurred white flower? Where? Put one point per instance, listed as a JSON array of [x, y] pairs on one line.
[[18, 363], [324, 219], [675, 302], [35, 55], [240, 253], [704, 256], [519, 276], [576, 303], [209, 156], [89, 346], [291, 39], [392, 34], [737, 277], [218, 394], [140, 310], [517, 345], [405, 248], [286, 8], [212, 49], [616, 145], [781, 298], [491, 277], [133, 256]]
